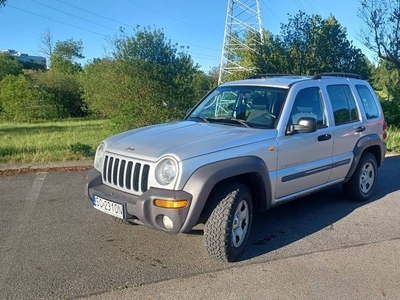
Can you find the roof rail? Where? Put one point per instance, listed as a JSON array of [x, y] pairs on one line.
[[269, 75], [337, 74]]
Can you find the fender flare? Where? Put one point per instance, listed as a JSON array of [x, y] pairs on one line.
[[204, 179], [362, 144]]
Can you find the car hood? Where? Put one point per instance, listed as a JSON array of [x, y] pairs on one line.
[[183, 140]]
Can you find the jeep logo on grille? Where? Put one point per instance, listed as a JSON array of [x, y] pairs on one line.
[[129, 149]]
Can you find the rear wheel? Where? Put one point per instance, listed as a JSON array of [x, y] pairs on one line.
[[361, 185], [228, 227]]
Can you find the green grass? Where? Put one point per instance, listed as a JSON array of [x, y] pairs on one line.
[[51, 141], [393, 140], [76, 140]]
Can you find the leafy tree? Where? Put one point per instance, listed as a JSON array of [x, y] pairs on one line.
[[147, 80], [213, 76], [3, 3], [270, 57], [381, 33], [64, 93], [116, 90], [386, 81], [22, 101], [64, 55], [314, 45], [306, 45], [9, 66]]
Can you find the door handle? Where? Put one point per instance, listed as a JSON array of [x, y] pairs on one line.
[[360, 129], [324, 137]]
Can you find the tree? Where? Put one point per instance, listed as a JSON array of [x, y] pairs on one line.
[[64, 55], [314, 45], [147, 80], [3, 3], [64, 93], [270, 57], [381, 33], [386, 81], [47, 45], [22, 101], [9, 66], [306, 45]]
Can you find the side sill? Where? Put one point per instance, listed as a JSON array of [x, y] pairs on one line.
[[307, 192]]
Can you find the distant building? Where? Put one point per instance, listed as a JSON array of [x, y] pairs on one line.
[[26, 59]]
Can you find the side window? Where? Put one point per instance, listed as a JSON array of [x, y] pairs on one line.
[[368, 102], [343, 104], [308, 103]]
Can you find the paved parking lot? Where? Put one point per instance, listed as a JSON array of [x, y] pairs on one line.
[[54, 245]]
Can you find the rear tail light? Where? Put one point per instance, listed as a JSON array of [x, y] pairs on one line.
[[384, 130]]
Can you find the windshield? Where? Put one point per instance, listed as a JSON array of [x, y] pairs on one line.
[[254, 106]]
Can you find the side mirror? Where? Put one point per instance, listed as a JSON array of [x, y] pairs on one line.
[[304, 125]]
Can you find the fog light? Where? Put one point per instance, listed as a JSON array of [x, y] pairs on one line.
[[167, 222]]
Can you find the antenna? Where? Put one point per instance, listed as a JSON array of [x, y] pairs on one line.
[[243, 17]]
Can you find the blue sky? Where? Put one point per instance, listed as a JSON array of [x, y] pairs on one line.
[[197, 24]]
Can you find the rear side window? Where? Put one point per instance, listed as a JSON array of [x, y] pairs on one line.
[[343, 104], [368, 101]]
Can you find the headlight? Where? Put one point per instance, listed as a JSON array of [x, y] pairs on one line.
[[98, 160], [166, 171]]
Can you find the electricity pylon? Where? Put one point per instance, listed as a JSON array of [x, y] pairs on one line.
[[243, 17]]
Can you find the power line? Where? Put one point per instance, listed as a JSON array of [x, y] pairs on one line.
[[101, 16], [299, 4], [70, 25], [114, 21], [310, 6], [95, 14], [168, 16], [75, 16], [271, 11]]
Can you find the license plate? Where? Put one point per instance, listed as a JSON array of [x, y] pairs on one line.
[[109, 207]]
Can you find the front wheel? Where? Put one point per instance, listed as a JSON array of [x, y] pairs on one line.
[[362, 183], [228, 227]]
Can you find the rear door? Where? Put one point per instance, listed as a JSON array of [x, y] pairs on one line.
[[347, 127]]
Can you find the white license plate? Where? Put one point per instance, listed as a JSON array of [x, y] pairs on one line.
[[109, 207]]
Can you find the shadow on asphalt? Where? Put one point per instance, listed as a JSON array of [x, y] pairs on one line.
[[288, 223]]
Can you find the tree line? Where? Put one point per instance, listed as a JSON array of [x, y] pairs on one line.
[[146, 79]]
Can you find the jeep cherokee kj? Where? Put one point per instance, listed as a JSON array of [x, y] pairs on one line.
[[245, 147]]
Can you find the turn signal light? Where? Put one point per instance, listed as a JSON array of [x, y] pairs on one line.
[[170, 203]]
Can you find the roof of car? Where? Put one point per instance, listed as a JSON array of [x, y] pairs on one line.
[[285, 81], [281, 82]]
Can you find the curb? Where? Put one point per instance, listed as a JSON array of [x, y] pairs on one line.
[[29, 168]]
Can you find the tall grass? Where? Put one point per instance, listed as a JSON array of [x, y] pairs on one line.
[[51, 141]]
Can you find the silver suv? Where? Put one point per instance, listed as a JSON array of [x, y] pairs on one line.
[[245, 147]]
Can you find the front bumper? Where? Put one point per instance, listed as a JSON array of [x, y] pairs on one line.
[[141, 209]]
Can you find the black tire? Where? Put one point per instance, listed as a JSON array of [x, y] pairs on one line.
[[362, 183], [228, 227]]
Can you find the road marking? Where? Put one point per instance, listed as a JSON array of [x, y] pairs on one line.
[[12, 243]]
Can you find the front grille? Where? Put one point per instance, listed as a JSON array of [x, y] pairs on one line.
[[125, 174]]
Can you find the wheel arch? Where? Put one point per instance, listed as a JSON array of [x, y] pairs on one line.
[[250, 170], [370, 143]]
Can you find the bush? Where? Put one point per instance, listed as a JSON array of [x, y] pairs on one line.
[[21, 100], [64, 92], [391, 110], [146, 81]]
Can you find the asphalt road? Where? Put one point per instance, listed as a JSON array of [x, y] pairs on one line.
[[54, 245]]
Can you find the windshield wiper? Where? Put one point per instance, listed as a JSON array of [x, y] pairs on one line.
[[233, 120], [204, 119]]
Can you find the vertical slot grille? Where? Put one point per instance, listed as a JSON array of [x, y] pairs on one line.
[[125, 174]]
